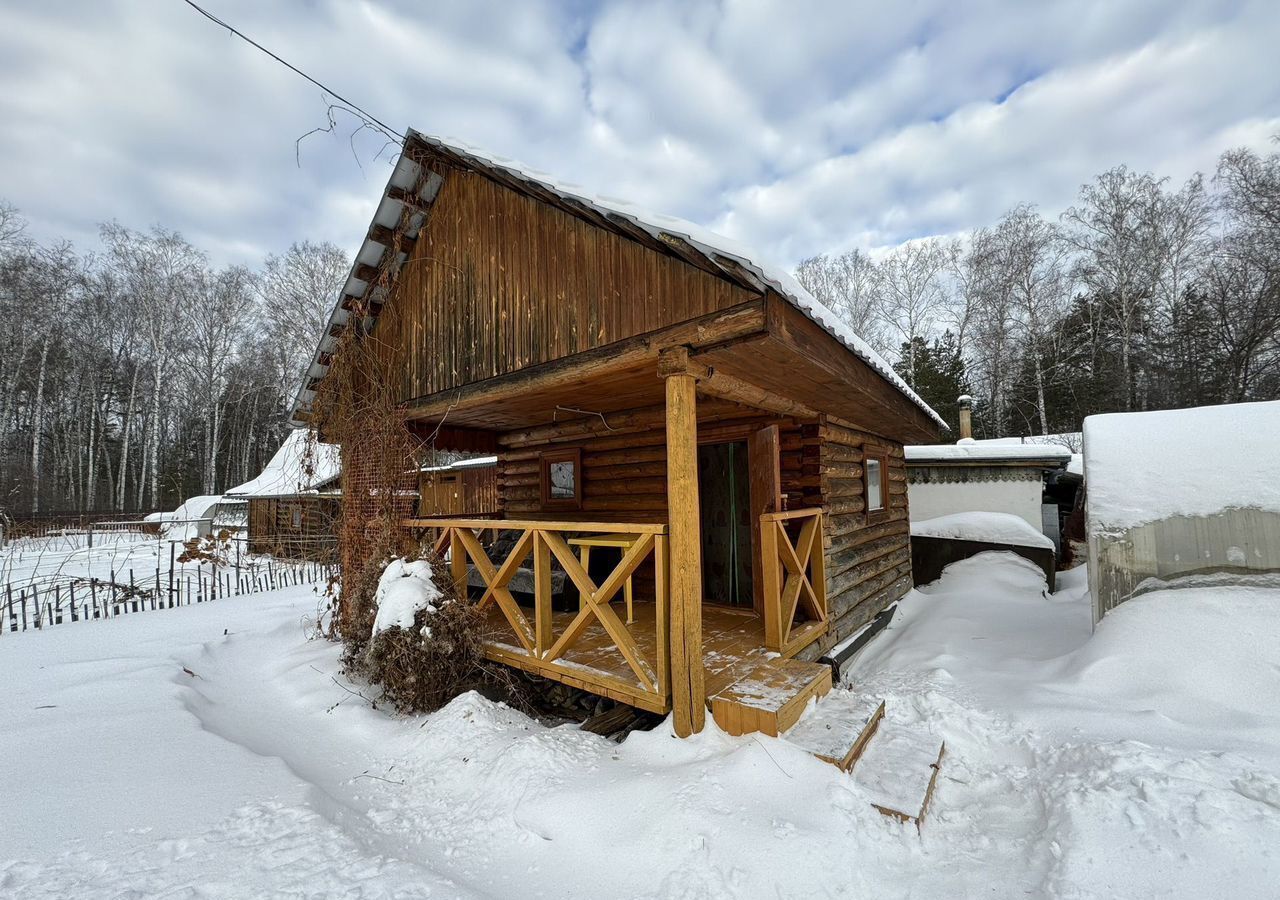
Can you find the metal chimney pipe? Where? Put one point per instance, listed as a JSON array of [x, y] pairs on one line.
[[965, 403]]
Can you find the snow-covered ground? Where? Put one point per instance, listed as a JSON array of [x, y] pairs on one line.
[[45, 560], [215, 751]]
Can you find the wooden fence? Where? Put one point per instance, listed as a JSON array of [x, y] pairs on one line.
[[79, 598]]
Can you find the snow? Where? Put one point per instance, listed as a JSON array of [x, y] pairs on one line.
[[114, 556], [404, 588], [991, 527], [215, 751], [476, 462], [897, 766], [1072, 440], [975, 451], [286, 473], [1147, 466], [1076, 466], [184, 523]]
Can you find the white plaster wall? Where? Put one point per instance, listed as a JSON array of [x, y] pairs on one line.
[[1021, 498]]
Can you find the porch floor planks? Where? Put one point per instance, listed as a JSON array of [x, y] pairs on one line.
[[732, 645]]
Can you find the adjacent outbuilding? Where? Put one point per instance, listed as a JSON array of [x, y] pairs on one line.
[[467, 487], [1180, 493], [1014, 476], [292, 507]]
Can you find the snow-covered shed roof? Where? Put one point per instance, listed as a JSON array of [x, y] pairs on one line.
[[685, 240], [987, 527], [1146, 466], [200, 507], [292, 470], [988, 453], [476, 462]]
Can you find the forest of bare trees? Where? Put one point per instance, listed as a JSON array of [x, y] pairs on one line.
[[1142, 295], [136, 374]]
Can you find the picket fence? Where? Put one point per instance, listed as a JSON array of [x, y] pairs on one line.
[[39, 605]]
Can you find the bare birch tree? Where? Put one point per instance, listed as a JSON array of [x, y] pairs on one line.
[[911, 292], [846, 284]]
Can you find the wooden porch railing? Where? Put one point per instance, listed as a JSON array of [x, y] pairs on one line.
[[542, 648], [794, 578]]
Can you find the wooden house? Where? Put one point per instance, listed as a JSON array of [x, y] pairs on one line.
[[699, 469], [291, 508], [1173, 495], [468, 487]]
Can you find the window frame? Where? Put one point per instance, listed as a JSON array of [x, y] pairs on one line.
[[878, 455], [546, 459]]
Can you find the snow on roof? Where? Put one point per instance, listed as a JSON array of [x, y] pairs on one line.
[[1072, 440], [970, 450], [188, 510], [720, 251], [477, 462], [286, 472], [1146, 466], [989, 527]]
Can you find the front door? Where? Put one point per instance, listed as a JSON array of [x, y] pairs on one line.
[[724, 489]]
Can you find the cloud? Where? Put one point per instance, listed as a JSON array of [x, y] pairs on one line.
[[797, 127]]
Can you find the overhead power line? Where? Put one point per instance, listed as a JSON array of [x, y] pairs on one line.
[[284, 62]]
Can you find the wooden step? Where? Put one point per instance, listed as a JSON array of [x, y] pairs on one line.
[[837, 728], [899, 770], [770, 697]]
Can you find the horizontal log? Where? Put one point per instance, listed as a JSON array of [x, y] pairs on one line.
[[890, 587], [840, 524], [841, 487], [840, 540], [839, 453], [654, 438], [848, 621], [849, 580], [644, 502], [842, 560], [845, 506], [841, 469], [850, 567]]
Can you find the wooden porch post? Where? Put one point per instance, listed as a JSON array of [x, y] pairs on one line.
[[688, 693]]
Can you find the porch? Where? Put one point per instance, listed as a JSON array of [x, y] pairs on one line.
[[584, 637], [708, 491]]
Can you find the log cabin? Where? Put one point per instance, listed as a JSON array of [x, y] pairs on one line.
[[700, 474], [290, 508]]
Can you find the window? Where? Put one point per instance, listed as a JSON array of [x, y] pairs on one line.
[[874, 474], [562, 479]]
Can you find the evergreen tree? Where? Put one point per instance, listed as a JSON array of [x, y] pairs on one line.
[[939, 375]]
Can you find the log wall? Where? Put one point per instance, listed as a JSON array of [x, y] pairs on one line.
[[302, 527], [624, 462], [868, 557]]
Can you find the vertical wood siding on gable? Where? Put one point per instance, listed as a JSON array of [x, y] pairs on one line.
[[499, 282]]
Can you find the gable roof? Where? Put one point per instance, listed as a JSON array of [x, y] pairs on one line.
[[996, 452], [666, 234], [292, 470]]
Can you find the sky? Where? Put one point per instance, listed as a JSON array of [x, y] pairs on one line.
[[796, 128]]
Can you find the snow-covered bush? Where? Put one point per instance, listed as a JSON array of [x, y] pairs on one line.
[[425, 647]]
